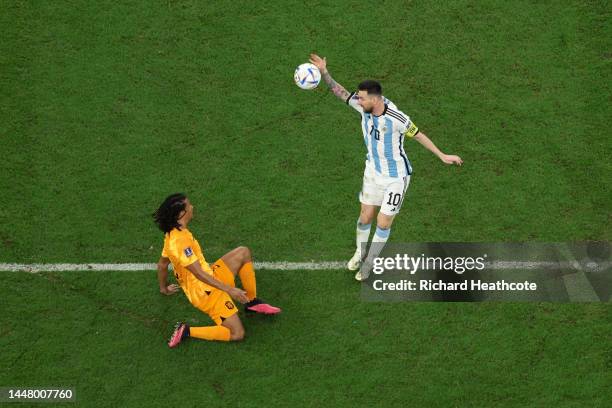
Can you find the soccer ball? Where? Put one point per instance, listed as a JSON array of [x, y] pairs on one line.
[[307, 76]]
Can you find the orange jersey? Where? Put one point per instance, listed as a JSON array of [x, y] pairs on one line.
[[183, 249]]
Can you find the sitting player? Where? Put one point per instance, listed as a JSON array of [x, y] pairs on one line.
[[210, 288]]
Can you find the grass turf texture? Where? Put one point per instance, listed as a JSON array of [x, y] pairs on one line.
[[103, 333], [107, 108]]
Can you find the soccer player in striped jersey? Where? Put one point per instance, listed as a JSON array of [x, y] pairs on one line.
[[209, 288], [387, 168]]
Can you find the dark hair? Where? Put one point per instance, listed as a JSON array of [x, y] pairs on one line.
[[167, 215], [372, 87]]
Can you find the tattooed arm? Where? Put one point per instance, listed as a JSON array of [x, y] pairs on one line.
[[335, 87]]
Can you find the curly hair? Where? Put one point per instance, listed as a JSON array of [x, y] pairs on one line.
[[167, 215]]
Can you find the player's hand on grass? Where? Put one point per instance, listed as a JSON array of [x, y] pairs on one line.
[[451, 159], [319, 62], [170, 289], [238, 294]]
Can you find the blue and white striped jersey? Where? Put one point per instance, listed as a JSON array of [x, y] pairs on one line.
[[384, 138]]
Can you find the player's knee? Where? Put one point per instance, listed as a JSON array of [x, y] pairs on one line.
[[245, 253], [365, 220], [383, 225], [366, 217], [235, 327], [384, 222], [237, 333]]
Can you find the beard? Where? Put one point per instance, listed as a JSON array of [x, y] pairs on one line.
[[368, 110]]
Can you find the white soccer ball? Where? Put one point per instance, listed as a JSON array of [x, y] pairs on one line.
[[307, 76]]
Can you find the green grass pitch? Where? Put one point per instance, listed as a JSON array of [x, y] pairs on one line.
[[107, 107]]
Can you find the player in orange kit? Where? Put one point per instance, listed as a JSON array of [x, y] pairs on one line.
[[210, 288]]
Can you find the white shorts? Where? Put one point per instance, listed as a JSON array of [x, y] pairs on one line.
[[385, 192]]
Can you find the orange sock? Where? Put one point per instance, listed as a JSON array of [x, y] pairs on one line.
[[220, 333], [247, 277]]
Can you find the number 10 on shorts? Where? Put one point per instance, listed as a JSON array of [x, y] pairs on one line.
[[394, 199]]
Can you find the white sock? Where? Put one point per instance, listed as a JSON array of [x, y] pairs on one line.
[[363, 236]]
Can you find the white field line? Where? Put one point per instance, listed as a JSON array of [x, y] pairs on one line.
[[578, 287], [275, 266]]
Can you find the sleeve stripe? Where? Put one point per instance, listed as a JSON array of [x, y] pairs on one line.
[[349, 97], [397, 113], [396, 116]]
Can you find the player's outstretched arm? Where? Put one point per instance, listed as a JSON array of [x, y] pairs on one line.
[[335, 87], [235, 293], [429, 145], [162, 277]]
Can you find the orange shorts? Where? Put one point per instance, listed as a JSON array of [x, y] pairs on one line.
[[218, 304]]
